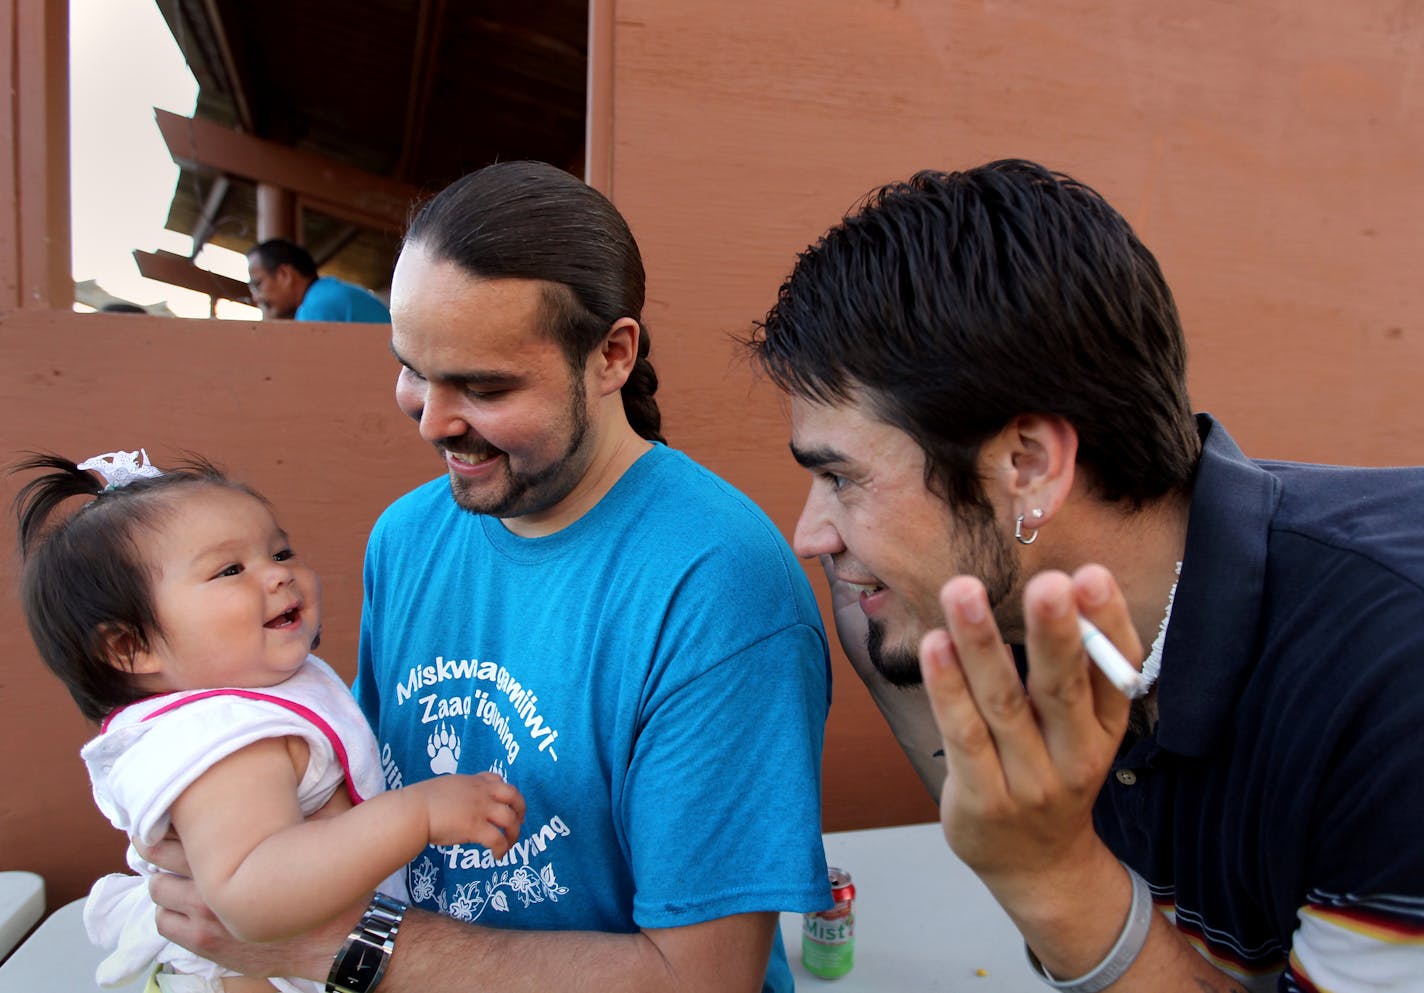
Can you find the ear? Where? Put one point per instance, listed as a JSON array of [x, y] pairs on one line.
[[1034, 459], [286, 275], [613, 360], [125, 651]]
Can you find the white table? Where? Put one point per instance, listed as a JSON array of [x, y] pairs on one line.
[[923, 922], [57, 958], [22, 896]]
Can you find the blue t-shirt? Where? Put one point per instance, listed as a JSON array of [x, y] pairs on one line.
[[654, 679], [330, 299]]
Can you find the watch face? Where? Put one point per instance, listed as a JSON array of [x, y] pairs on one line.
[[362, 960]]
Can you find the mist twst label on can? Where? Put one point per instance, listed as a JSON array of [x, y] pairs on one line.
[[828, 936]]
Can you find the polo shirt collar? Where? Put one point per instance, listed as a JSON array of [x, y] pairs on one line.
[[1210, 648]]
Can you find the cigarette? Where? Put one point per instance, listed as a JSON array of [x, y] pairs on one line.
[[1111, 661]]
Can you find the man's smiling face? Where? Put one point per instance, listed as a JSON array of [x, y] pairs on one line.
[[870, 510]]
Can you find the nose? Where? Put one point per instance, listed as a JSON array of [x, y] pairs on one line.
[[280, 574], [440, 415], [815, 533], [430, 406]]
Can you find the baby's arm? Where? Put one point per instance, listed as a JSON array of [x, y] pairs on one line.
[[269, 874]]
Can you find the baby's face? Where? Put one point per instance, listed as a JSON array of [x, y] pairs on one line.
[[234, 604]]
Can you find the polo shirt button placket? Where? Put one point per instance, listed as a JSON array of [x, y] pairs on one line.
[[1126, 777]]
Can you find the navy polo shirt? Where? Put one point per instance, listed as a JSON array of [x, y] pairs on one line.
[[1277, 804]]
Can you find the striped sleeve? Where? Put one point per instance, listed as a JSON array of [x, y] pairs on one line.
[[1347, 942]]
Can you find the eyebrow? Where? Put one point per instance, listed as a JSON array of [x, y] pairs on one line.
[[230, 546], [817, 457], [473, 377]]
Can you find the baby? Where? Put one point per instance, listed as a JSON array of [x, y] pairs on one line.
[[174, 609]]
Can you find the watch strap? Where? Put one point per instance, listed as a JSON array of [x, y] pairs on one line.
[[361, 962]]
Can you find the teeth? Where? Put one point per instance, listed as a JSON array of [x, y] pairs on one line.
[[467, 459], [862, 588]]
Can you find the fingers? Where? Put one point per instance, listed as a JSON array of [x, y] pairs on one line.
[[993, 682], [175, 893], [501, 792], [181, 915], [494, 818], [1101, 601], [1074, 699], [1081, 713], [506, 800], [167, 854], [995, 732], [971, 759], [502, 827]]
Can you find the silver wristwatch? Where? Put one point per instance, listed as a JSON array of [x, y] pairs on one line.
[[362, 960]]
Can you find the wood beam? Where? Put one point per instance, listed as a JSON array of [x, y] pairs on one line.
[[330, 186], [35, 259], [236, 82], [598, 117], [424, 61], [208, 219], [342, 212], [276, 213], [175, 270], [9, 176], [324, 251]]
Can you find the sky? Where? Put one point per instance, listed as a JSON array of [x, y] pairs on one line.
[[123, 63]]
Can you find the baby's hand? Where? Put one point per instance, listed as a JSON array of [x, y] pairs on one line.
[[481, 809]]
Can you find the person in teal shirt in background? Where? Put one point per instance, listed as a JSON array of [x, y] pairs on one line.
[[285, 283]]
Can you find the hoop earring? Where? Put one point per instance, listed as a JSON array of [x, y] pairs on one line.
[[1019, 531]]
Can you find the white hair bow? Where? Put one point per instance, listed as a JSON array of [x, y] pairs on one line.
[[122, 468]]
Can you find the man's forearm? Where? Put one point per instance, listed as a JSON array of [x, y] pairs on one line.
[[435, 954], [1168, 964], [1072, 936]]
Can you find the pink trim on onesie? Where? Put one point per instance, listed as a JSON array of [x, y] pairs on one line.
[[307, 713]]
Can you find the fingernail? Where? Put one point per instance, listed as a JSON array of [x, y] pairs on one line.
[[972, 606], [1095, 590], [932, 658]]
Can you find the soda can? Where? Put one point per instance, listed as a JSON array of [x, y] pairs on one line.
[[828, 936]]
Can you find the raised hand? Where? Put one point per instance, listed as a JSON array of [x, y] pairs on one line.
[[481, 809], [1025, 764]]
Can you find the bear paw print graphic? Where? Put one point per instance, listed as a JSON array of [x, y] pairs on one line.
[[444, 750]]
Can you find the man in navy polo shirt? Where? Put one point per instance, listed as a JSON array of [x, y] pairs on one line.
[[987, 382]]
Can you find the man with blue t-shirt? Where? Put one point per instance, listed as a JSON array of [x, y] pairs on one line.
[[284, 282], [586, 612]]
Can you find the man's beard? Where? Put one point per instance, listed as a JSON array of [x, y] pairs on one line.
[[990, 558], [533, 492]]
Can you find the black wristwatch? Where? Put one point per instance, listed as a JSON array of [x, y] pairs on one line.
[[362, 960]]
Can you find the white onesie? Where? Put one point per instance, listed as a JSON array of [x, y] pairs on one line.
[[148, 753]]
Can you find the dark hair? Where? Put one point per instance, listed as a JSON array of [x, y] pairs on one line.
[[84, 578], [276, 252], [958, 301], [532, 220]]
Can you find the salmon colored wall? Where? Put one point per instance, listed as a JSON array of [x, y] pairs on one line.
[[1272, 156], [303, 412]]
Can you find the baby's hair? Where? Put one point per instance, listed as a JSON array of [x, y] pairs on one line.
[[85, 584]]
